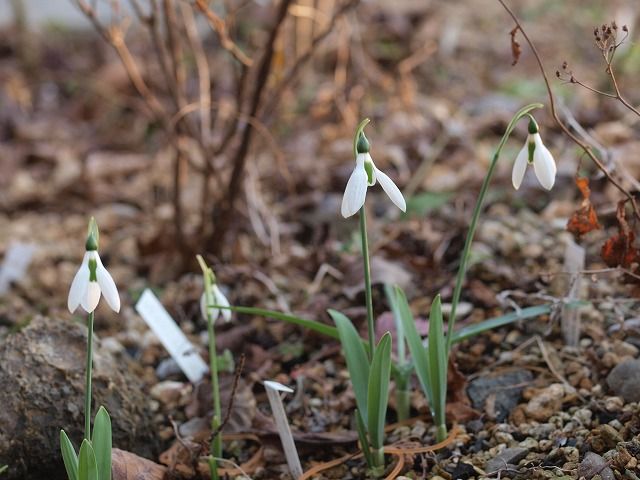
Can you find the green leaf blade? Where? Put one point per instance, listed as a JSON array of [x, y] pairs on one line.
[[356, 357], [87, 466], [69, 456], [437, 353], [313, 325], [101, 442], [378, 390], [418, 352]]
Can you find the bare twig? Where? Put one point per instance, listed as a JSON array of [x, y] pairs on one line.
[[234, 387], [220, 27], [306, 56], [222, 220]]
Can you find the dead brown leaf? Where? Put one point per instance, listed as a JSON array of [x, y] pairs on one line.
[[585, 219], [619, 250], [129, 466]]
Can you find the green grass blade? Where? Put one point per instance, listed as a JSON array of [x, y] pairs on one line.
[[378, 390], [87, 466], [437, 353], [101, 442], [69, 456], [313, 325], [529, 312], [356, 357], [418, 352]]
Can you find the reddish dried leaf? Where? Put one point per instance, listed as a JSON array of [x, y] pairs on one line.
[[619, 250], [585, 219]]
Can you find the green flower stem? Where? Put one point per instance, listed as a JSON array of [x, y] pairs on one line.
[[87, 388], [215, 449], [464, 259], [403, 401], [367, 281]]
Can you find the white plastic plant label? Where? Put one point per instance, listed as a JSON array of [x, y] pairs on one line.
[[15, 264], [171, 337]]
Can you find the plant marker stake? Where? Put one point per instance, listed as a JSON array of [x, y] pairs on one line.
[[273, 390]]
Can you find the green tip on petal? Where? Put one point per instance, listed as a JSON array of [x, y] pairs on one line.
[[533, 126]]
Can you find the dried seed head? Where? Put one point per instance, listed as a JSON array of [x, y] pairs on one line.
[[625, 29], [558, 73], [564, 65]]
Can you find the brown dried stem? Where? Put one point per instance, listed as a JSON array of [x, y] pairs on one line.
[[223, 217]]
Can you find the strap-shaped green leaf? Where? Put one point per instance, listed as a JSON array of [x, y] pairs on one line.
[[356, 357], [418, 352], [101, 442], [364, 440], [318, 327], [437, 353], [378, 391], [87, 466], [69, 456]]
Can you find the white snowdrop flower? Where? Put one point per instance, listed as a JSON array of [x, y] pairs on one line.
[[92, 280], [534, 152], [365, 175], [218, 299]]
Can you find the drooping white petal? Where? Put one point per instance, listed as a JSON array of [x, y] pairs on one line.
[[390, 189], [79, 285], [520, 166], [215, 313], [91, 297], [107, 285], [355, 191], [221, 300], [543, 164]]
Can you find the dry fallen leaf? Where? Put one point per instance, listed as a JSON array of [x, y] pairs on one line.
[[129, 466], [619, 250], [585, 219]]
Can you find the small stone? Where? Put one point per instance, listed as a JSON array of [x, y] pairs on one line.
[[498, 394], [604, 437], [613, 404], [170, 392], [571, 454], [583, 415], [545, 445], [503, 437], [547, 402], [592, 465], [624, 380], [626, 349], [509, 456], [610, 359]]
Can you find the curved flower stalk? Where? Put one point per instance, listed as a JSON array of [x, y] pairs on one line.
[[534, 153], [364, 175]]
